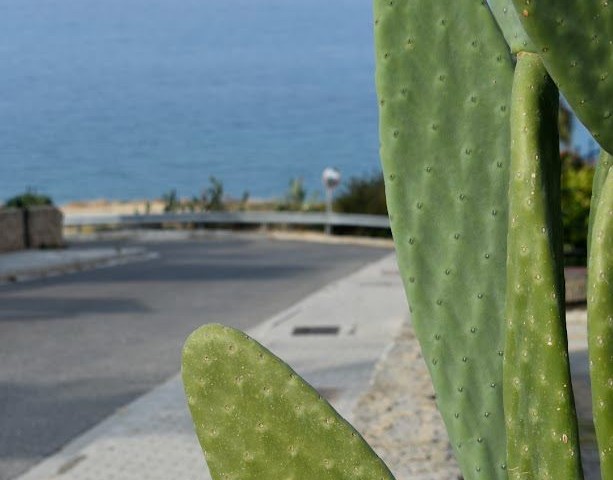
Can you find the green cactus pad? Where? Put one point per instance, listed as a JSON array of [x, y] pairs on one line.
[[444, 77], [575, 39], [257, 419], [600, 325], [602, 169], [511, 26], [541, 425]]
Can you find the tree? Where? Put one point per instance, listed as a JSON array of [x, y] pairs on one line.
[[577, 177]]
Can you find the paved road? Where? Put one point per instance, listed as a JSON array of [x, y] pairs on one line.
[[75, 348]]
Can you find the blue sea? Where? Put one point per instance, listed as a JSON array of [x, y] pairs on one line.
[[128, 99]]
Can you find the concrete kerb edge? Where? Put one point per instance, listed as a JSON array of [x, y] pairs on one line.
[[76, 265]]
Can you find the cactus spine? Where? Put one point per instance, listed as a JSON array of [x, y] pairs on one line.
[[540, 416]]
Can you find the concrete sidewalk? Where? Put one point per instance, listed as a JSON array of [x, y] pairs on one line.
[[333, 338], [32, 264]]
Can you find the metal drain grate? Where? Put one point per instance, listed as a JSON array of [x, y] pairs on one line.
[[316, 330]]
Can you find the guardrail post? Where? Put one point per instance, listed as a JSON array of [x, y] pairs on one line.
[[330, 177], [328, 225]]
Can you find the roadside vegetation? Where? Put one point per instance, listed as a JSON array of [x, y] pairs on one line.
[[211, 199], [366, 195], [30, 198], [577, 177]]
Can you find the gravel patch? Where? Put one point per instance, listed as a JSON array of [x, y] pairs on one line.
[[399, 418]]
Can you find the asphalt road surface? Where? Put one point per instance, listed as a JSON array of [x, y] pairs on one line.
[[75, 348]]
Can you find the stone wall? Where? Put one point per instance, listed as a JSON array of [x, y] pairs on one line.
[[44, 227], [12, 235]]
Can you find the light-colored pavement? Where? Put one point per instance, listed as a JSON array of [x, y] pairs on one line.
[[333, 338], [105, 336], [576, 326]]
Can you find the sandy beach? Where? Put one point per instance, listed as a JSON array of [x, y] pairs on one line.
[[115, 207], [144, 206]]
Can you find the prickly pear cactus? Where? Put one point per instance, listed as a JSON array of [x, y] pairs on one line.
[[257, 419], [575, 40], [444, 76], [542, 436], [600, 175], [511, 27], [600, 324]]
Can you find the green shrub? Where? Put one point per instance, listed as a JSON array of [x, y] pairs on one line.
[[294, 197], [211, 199], [171, 201], [28, 199], [215, 195], [577, 178], [364, 194]]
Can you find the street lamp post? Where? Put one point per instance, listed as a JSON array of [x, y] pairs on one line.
[[330, 177]]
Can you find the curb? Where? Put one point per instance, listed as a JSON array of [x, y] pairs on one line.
[[54, 263]]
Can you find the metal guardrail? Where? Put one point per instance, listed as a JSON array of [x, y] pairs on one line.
[[228, 218]]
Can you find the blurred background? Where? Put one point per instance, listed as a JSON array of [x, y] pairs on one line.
[[182, 105]]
